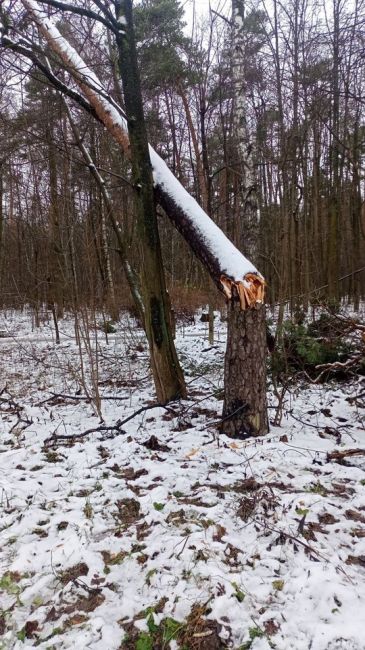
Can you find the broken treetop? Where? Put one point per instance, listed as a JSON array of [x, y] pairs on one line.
[[232, 272]]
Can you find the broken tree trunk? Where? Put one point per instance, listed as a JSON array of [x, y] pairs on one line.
[[227, 266], [245, 406], [233, 274]]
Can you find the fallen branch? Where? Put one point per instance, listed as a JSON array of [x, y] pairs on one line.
[[12, 407], [82, 398], [340, 365], [25, 422], [306, 424], [353, 399], [293, 538], [339, 456], [116, 428]]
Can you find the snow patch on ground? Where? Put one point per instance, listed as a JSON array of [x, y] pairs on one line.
[[266, 535]]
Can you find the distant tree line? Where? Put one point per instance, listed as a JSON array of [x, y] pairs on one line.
[[302, 75]]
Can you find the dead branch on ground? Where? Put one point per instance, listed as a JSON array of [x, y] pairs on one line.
[[116, 429]]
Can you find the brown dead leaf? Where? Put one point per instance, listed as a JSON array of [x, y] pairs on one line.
[[74, 572], [154, 445], [30, 629], [355, 516], [271, 627], [220, 531], [357, 560], [76, 619], [128, 511], [327, 519]]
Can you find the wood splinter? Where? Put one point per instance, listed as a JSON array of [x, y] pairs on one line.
[[250, 291]]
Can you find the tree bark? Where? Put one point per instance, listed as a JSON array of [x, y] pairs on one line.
[[1, 228], [245, 402], [245, 406], [167, 373], [247, 227]]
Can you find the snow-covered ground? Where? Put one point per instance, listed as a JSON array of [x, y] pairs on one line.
[[166, 534]]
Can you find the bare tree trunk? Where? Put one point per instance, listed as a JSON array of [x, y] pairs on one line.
[[335, 199], [106, 260], [57, 260], [1, 229], [245, 405], [168, 376], [129, 272], [245, 402], [248, 223]]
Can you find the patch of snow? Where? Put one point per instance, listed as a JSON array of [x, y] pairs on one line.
[[192, 532]]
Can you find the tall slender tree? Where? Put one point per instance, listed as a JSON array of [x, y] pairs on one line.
[[167, 372], [245, 405]]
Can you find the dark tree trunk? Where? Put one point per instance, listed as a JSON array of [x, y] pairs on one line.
[[167, 374], [245, 404]]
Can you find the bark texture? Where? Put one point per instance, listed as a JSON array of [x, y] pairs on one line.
[[245, 403], [246, 230], [167, 373]]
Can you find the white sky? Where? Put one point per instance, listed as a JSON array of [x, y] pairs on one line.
[[202, 8]]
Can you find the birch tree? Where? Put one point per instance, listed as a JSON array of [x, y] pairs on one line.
[[245, 370]]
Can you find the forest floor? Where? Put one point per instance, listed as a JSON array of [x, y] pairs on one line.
[[163, 533]]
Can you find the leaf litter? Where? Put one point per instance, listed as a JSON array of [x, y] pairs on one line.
[[168, 536]]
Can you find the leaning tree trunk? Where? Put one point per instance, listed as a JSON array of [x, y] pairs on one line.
[[227, 266]]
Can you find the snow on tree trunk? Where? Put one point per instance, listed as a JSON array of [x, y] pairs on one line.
[[231, 271]]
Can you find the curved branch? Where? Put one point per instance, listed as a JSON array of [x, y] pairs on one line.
[[109, 23]]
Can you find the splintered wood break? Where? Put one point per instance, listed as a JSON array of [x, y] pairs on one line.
[[250, 290]]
